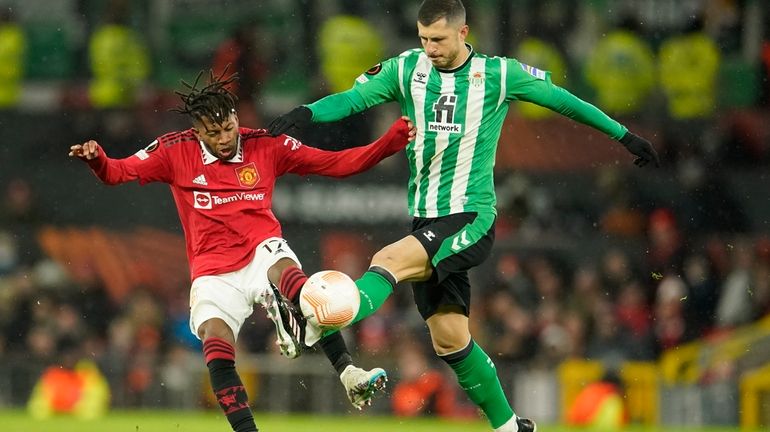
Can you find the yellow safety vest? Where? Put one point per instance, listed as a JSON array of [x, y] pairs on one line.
[[119, 63], [689, 65], [12, 49], [621, 70], [347, 45]]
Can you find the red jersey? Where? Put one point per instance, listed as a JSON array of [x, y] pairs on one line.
[[225, 206]]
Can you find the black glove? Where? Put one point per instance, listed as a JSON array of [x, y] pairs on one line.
[[641, 148], [293, 120]]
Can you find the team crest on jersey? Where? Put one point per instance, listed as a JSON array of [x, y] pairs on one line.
[[374, 70], [535, 72], [477, 79], [247, 175]]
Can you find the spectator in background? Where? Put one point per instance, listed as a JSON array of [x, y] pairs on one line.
[[666, 244], [19, 211], [346, 45], [120, 61], [242, 53], [616, 271], [13, 45], [702, 292], [620, 213], [422, 389], [706, 202], [670, 326], [609, 342], [621, 70], [735, 305], [688, 68]]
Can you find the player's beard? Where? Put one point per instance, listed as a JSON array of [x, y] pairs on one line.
[[446, 61]]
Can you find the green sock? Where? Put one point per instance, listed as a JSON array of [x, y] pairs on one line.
[[374, 290], [478, 378]]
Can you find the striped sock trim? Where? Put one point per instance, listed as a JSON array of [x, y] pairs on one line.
[[382, 271], [217, 348], [292, 280]]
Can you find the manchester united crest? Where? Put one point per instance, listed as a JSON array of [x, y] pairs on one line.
[[247, 175]]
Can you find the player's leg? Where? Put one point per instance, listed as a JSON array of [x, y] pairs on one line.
[[360, 384], [444, 303], [217, 311], [404, 260], [285, 273]]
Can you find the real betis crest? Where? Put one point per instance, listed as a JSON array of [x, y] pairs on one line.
[[476, 79]]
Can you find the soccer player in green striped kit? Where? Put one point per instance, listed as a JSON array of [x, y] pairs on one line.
[[458, 99]]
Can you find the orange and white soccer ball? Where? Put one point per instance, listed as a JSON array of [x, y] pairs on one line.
[[329, 299]]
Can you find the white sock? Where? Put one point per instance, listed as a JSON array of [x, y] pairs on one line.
[[509, 426]]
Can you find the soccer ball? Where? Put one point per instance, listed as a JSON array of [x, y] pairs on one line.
[[329, 299]]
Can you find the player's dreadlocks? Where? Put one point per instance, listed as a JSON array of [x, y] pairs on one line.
[[213, 101]]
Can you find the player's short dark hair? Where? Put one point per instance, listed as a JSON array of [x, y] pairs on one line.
[[213, 101], [433, 10]]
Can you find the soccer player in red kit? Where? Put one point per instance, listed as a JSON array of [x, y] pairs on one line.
[[222, 177]]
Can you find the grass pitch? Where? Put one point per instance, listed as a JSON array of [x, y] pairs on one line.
[[200, 421]]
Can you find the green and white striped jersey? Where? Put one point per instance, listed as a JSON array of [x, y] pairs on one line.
[[459, 115]]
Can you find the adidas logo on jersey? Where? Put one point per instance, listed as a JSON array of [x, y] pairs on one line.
[[201, 180]]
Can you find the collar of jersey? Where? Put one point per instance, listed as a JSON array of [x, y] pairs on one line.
[[470, 56], [209, 158]]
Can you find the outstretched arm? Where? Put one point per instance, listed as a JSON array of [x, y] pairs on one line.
[[309, 160], [116, 171], [564, 102], [536, 87]]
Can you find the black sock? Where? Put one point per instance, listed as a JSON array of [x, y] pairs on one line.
[[336, 351], [227, 385]]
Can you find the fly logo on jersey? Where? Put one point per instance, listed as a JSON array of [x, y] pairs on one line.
[[444, 110], [419, 77], [248, 175], [202, 200]]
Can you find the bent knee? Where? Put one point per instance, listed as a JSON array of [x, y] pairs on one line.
[[385, 257], [444, 344], [216, 328]]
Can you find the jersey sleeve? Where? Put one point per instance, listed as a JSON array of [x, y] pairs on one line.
[[527, 83], [292, 156], [149, 164], [373, 87]]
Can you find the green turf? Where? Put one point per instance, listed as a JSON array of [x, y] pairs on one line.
[[197, 421]]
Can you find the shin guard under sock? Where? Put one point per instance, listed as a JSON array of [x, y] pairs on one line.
[[336, 351], [477, 376], [227, 385], [374, 287]]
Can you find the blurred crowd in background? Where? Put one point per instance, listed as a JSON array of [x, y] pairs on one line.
[[597, 261]]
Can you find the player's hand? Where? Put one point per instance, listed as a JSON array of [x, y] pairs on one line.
[[641, 148], [412, 129], [88, 150], [292, 121]]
